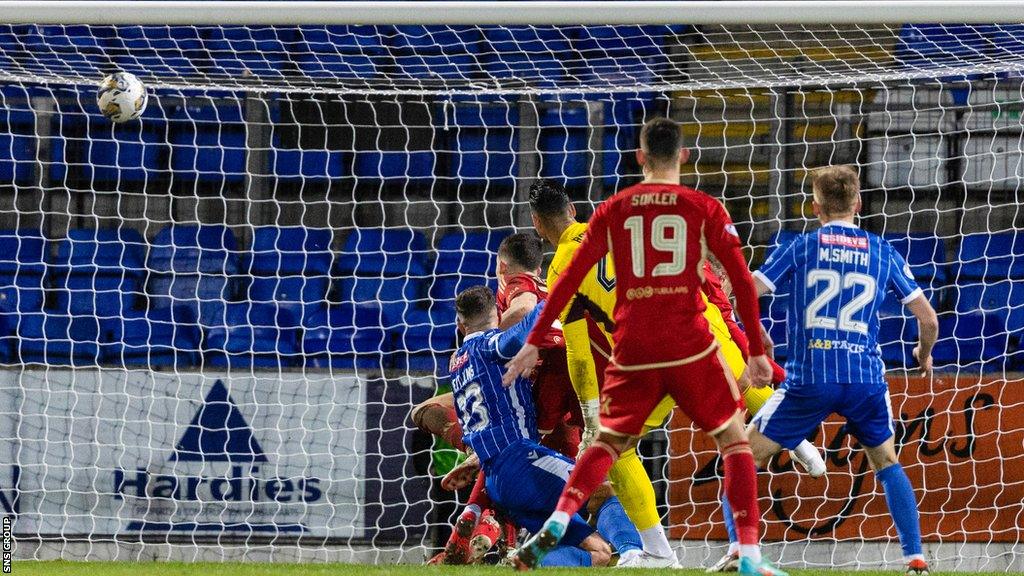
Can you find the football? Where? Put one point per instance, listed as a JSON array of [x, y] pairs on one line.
[[122, 97]]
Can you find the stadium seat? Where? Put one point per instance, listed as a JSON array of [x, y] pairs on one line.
[[426, 339], [922, 45], [475, 253], [304, 164], [970, 341], [395, 296], [190, 248], [935, 292], [295, 250], [925, 253], [206, 294], [383, 251], [345, 336], [299, 295], [531, 54], [1003, 298], [245, 50], [17, 141], [93, 150], [338, 52], [991, 256], [252, 335], [22, 270], [484, 143], [563, 144], [58, 339], [155, 338], [773, 316], [207, 141], [620, 54], [897, 336], [160, 51], [71, 50]]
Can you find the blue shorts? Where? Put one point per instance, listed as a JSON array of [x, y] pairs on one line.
[[526, 481], [790, 415]]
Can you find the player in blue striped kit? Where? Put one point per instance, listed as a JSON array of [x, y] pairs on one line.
[[500, 426], [838, 277]]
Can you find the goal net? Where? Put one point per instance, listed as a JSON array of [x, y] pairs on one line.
[[218, 317]]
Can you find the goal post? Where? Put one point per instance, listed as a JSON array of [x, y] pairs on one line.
[[215, 320]]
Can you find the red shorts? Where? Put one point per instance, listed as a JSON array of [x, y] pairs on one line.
[[553, 394], [702, 388]]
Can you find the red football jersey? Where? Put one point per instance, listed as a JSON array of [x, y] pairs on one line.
[[524, 283], [657, 234]]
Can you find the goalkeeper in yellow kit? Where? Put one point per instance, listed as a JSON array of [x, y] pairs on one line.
[[586, 326]]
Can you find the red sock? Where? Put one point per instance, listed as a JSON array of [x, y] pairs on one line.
[[741, 490], [479, 494], [590, 472]]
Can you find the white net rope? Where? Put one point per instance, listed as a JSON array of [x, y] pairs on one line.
[[218, 317]]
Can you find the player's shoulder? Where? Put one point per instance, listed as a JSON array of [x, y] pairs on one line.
[[523, 282]]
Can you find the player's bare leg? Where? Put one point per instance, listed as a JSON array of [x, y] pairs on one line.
[[741, 492], [899, 495]]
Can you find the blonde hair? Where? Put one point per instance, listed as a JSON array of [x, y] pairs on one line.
[[836, 189]]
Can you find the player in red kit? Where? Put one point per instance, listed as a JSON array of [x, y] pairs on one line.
[[658, 232]]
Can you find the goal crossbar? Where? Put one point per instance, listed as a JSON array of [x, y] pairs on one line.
[[509, 12]]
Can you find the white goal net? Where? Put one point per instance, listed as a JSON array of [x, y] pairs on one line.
[[217, 318]]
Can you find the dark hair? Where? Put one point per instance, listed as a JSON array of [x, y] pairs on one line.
[[548, 198], [837, 188], [472, 303], [524, 249], [662, 140]]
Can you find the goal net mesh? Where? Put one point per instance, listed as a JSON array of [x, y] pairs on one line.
[[217, 318]]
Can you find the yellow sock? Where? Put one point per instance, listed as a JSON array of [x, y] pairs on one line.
[[634, 489], [756, 397]]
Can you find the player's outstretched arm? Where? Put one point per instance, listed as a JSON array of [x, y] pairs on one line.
[[928, 328], [512, 340]]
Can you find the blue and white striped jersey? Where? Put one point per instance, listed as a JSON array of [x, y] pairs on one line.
[[492, 416], [839, 276]]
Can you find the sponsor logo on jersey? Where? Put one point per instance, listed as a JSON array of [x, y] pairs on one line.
[[458, 361], [217, 462], [844, 240]]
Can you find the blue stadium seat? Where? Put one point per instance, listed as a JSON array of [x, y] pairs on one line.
[[383, 251], [58, 339], [340, 52], [160, 51], [207, 142], [462, 252], [101, 251], [971, 341], [426, 339], [933, 291], [107, 296], [447, 286], [897, 336], [251, 335], [155, 338], [1003, 298], [205, 294], [437, 39], [992, 256], [295, 250], [925, 253], [563, 143], [527, 53], [620, 54], [922, 45], [94, 150], [395, 296], [412, 165], [259, 51], [773, 317], [17, 140], [346, 336], [22, 250], [22, 270], [190, 248], [304, 164], [485, 143], [299, 295], [72, 50]]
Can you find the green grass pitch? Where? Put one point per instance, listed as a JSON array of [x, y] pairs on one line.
[[24, 568]]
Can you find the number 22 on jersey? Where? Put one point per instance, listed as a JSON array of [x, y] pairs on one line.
[[667, 234]]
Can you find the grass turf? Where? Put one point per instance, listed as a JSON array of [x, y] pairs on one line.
[[24, 568]]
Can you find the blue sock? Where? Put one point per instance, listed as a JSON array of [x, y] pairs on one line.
[[902, 506], [730, 528], [567, 556], [615, 526]]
